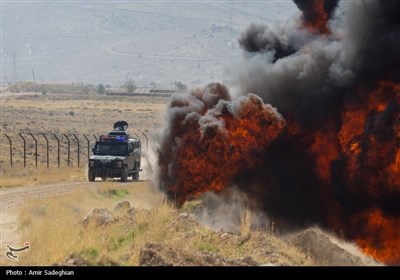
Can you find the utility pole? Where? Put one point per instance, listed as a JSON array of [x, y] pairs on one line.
[[231, 15], [14, 76], [34, 80]]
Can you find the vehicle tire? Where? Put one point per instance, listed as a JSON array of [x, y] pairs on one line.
[[124, 175], [91, 176], [135, 175]]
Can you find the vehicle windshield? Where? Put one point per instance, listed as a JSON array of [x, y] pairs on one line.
[[113, 149]]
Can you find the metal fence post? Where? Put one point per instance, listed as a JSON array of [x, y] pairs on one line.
[[88, 147], [11, 155], [95, 137], [23, 139], [147, 142], [47, 149], [69, 149], [137, 136], [58, 150], [36, 154], [79, 150]]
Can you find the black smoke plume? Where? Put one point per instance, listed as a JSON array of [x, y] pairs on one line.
[[334, 159]]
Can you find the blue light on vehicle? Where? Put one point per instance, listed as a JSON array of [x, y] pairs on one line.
[[120, 138]]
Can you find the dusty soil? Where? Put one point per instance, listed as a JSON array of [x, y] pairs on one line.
[[154, 254], [322, 247], [11, 199]]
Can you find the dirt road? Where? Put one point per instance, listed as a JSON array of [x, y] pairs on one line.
[[11, 199]]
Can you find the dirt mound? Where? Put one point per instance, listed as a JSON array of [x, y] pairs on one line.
[[153, 254], [325, 250]]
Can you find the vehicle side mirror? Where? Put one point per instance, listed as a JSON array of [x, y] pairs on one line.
[[92, 150]]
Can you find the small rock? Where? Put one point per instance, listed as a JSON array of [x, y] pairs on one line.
[[149, 256], [249, 261], [224, 236], [98, 217], [123, 206], [269, 264], [74, 260], [184, 215], [131, 212]]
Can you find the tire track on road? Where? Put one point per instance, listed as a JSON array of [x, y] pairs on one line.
[[11, 198]]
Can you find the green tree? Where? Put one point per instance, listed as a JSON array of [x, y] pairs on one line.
[[101, 89]]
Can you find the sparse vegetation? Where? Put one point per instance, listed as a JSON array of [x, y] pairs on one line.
[[245, 218], [130, 85], [101, 89], [116, 193], [54, 228], [19, 176], [53, 88], [57, 113]]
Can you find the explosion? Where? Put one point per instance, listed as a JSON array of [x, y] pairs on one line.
[[215, 141], [329, 154], [316, 13]]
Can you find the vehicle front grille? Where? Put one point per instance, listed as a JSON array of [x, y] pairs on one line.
[[104, 164]]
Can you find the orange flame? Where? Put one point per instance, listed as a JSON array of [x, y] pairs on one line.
[[371, 145], [318, 22], [208, 159], [362, 141], [380, 238], [380, 152]]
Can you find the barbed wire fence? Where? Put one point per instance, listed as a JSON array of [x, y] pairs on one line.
[[54, 149]]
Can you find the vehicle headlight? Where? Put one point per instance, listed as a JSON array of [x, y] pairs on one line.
[[91, 163]]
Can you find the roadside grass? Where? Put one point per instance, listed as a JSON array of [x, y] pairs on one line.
[[54, 229], [20, 176]]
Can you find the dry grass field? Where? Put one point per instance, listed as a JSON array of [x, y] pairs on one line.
[[56, 232], [31, 176], [53, 225], [153, 233], [68, 114]]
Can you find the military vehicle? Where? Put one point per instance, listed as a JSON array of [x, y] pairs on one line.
[[116, 154]]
